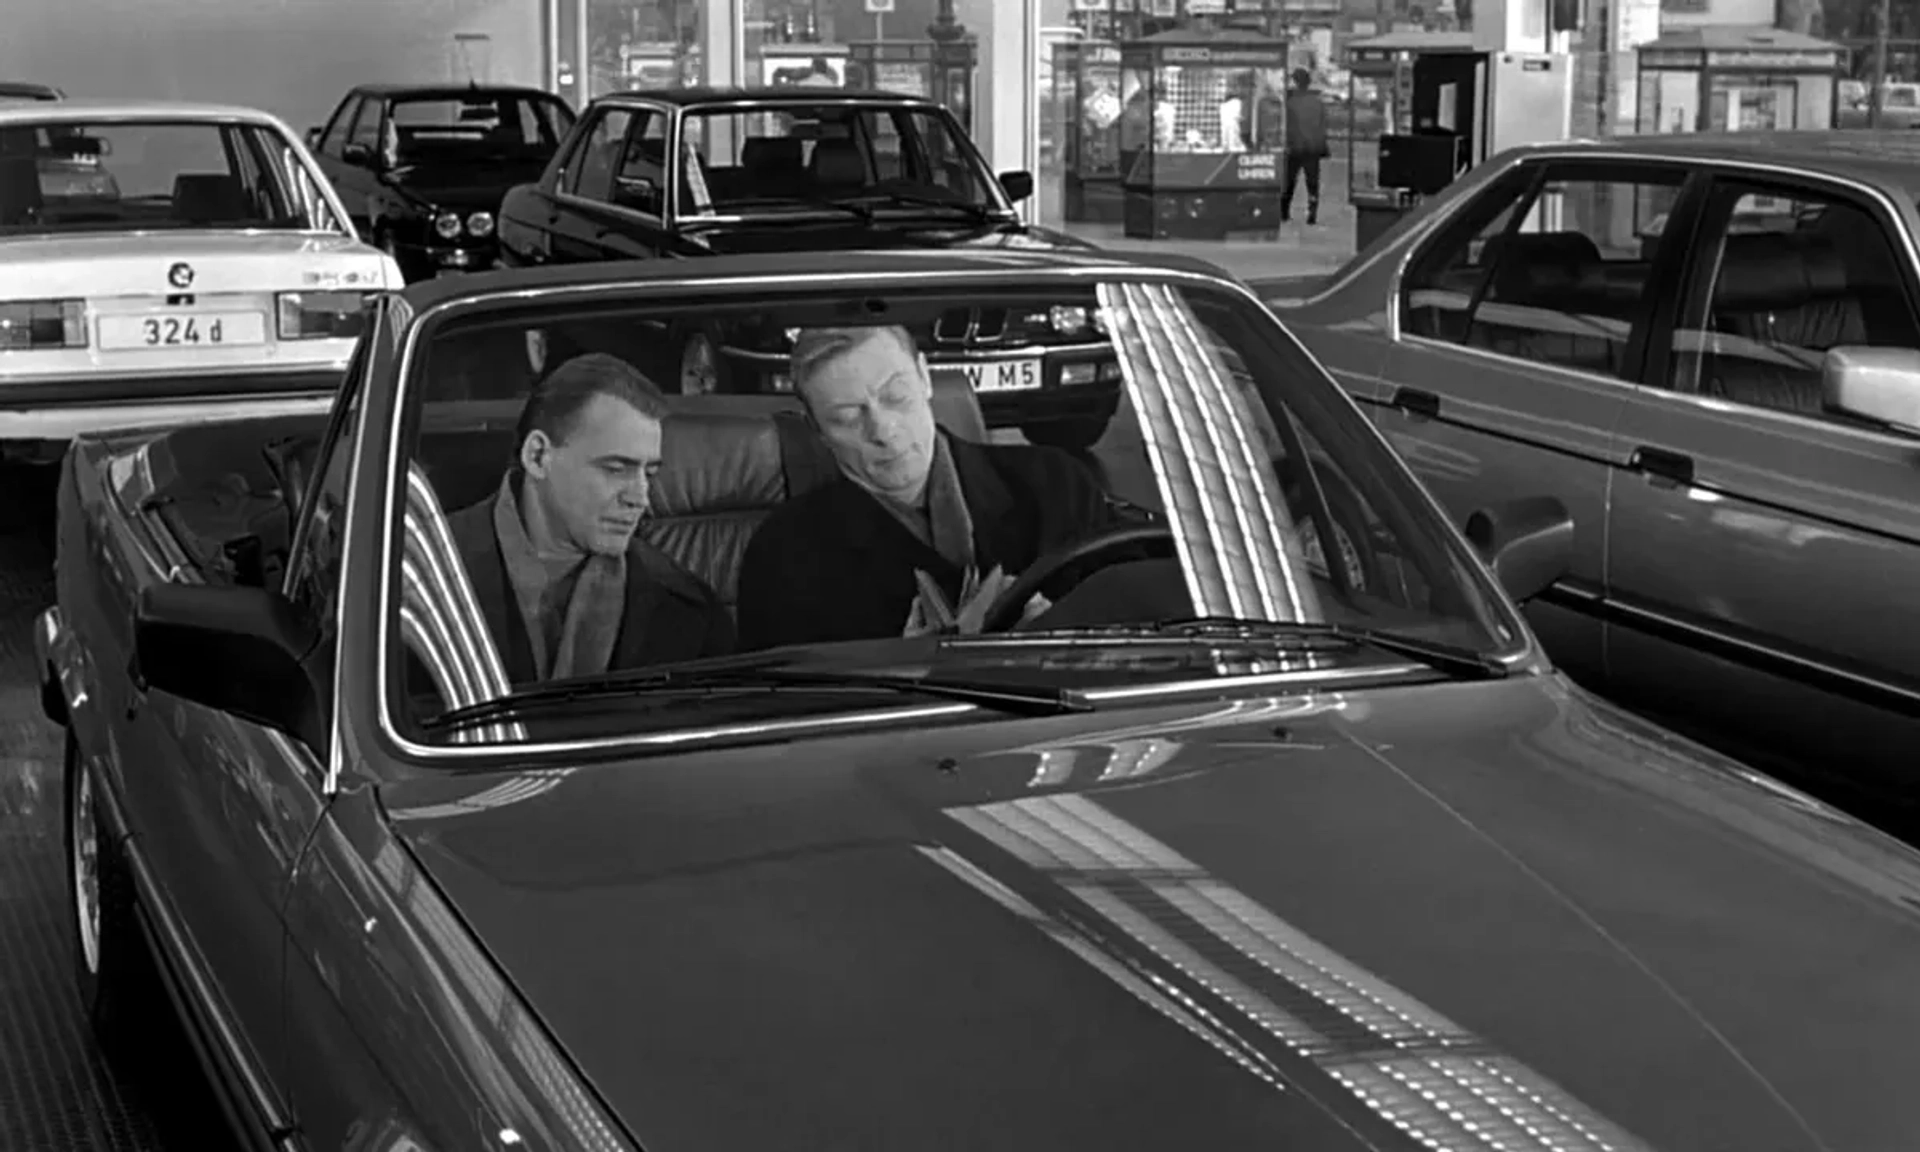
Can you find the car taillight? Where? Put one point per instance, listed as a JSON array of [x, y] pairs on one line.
[[322, 315], [42, 324]]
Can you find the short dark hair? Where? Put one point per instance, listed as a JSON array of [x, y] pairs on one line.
[[557, 400], [1302, 78]]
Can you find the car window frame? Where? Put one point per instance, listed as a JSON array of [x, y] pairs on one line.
[[366, 103], [1789, 183], [334, 135], [566, 187], [1532, 174]]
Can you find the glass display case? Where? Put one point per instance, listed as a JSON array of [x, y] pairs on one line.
[[1088, 73], [1380, 102], [1717, 79], [1201, 121], [937, 70]]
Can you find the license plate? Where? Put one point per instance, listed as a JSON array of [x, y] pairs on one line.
[[1003, 375], [183, 330]]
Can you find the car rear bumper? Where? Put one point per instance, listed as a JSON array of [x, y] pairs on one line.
[[50, 413]]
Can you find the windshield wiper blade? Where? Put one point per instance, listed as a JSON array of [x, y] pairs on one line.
[[1449, 658], [1013, 699], [859, 211], [976, 211]]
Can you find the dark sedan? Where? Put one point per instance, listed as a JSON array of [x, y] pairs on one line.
[[1292, 847], [423, 169], [705, 172]]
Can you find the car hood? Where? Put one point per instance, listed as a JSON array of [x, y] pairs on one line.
[[464, 188], [815, 235], [1497, 908]]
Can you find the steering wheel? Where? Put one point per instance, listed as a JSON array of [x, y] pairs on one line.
[[1156, 540]]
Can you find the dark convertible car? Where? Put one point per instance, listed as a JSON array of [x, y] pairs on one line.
[[423, 168], [1271, 853], [702, 172]]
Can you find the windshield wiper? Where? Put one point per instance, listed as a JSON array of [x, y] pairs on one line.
[[975, 211], [759, 676], [1451, 659], [859, 211]]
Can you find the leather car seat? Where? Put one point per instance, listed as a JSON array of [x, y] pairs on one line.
[[956, 408], [1780, 300], [772, 166], [208, 198], [837, 166], [1537, 274]]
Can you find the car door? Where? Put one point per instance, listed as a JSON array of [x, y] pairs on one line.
[[1520, 327], [223, 807], [1765, 550], [611, 204]]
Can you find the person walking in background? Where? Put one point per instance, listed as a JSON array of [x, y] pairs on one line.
[[1306, 144]]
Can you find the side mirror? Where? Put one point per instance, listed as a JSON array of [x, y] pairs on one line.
[[1528, 543], [358, 155], [1018, 185], [234, 649], [1878, 384], [313, 136]]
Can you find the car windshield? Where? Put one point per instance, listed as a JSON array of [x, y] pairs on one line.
[[119, 175], [786, 156], [1163, 458], [476, 127]]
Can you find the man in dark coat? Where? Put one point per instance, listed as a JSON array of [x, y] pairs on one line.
[[1306, 143], [921, 529], [565, 584]]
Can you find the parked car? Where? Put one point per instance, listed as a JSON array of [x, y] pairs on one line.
[[16, 91], [1708, 349], [1277, 854], [811, 169], [422, 168], [167, 262]]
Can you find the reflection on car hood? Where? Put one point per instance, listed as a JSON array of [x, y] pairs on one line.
[[465, 187], [1263, 924], [774, 234]]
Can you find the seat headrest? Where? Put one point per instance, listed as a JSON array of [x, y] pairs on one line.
[[1528, 261], [1771, 270], [956, 408], [206, 198], [764, 152], [719, 462], [838, 163]]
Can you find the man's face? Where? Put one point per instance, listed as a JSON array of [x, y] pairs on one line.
[[873, 404], [593, 484]]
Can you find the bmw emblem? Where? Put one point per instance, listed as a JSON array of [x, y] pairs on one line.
[[181, 275]]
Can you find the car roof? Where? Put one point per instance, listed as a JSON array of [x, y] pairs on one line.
[[1887, 159], [767, 93], [433, 91], [63, 111], [850, 265]]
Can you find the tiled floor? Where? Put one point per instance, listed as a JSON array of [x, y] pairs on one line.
[[57, 1092]]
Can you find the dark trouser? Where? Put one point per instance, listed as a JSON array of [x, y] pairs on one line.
[[1295, 167]]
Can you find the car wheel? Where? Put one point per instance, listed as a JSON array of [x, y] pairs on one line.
[[699, 365], [110, 959]]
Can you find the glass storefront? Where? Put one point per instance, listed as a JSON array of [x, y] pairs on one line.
[[936, 48]]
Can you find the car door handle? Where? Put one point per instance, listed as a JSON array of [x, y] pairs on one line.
[[1416, 402], [1661, 464]]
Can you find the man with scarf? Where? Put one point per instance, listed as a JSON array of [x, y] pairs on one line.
[[921, 530], [566, 585]]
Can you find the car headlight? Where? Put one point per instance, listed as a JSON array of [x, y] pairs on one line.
[[322, 315], [447, 225], [480, 224]]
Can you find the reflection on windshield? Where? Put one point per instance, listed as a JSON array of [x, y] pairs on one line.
[[1054, 459], [123, 175]]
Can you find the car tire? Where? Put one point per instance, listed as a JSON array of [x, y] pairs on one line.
[[112, 966]]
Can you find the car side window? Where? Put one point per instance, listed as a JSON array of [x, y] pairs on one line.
[[366, 125], [639, 183], [334, 135], [1780, 275], [1551, 266], [590, 176]]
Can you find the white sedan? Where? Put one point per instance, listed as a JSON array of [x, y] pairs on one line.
[[166, 263]]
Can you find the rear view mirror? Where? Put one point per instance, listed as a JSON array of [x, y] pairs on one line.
[[233, 649], [1528, 543], [1877, 384], [313, 137], [1018, 185]]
